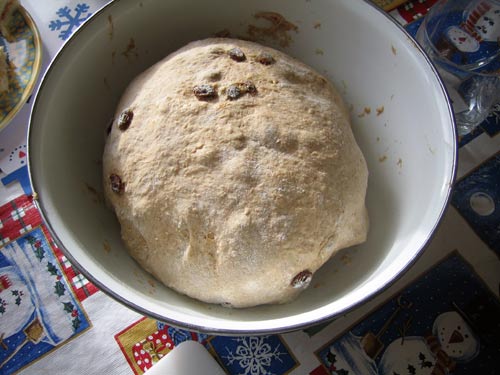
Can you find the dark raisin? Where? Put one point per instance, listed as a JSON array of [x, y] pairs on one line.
[[236, 54], [117, 184], [234, 92], [204, 92], [250, 88], [125, 119], [265, 59], [239, 89], [302, 279]]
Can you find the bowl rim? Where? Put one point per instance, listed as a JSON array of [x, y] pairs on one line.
[[246, 327]]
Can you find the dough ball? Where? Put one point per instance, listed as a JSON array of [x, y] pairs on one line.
[[234, 173]]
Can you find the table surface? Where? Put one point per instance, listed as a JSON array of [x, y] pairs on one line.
[[442, 316]]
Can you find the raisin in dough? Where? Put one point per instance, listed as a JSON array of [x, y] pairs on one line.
[[234, 199]]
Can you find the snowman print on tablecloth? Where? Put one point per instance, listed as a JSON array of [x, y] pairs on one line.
[[452, 341], [483, 21], [15, 169], [461, 40], [471, 39], [408, 355], [456, 337], [16, 304], [16, 159]]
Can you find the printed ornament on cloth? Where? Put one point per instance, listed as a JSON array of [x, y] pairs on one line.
[[151, 349], [146, 341], [69, 19], [16, 306], [470, 38], [49, 291], [37, 310], [417, 333], [483, 21], [263, 355], [461, 40], [14, 168], [371, 342], [17, 217], [347, 357], [456, 337], [452, 341], [408, 356], [16, 159]]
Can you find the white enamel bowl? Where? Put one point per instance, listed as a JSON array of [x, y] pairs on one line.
[[401, 118]]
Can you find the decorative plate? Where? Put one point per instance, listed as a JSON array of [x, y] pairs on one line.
[[24, 55]]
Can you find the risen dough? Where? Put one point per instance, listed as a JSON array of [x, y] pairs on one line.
[[225, 200]]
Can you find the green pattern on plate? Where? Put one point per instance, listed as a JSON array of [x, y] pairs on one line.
[[23, 53]]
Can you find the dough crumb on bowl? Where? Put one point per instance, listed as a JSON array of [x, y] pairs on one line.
[[234, 173]]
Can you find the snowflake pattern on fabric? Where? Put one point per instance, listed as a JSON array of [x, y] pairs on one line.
[[69, 20], [254, 355]]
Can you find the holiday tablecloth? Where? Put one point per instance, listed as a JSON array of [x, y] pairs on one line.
[[441, 317]]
